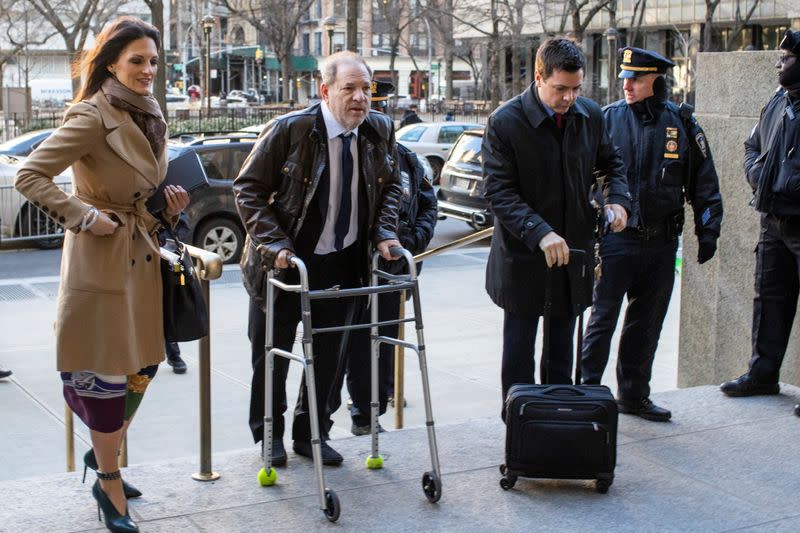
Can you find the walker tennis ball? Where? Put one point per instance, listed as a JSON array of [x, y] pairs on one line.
[[267, 480], [374, 463]]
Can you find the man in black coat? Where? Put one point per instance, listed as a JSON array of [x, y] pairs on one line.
[[410, 116], [541, 151], [321, 184], [772, 167], [668, 159]]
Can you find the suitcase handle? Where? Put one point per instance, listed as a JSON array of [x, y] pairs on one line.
[[548, 304], [565, 390]]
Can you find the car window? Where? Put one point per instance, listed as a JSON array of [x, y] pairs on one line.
[[467, 150], [214, 164], [413, 135], [449, 134], [237, 159]]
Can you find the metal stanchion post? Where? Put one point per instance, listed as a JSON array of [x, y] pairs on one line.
[[399, 367], [205, 474], [69, 427]]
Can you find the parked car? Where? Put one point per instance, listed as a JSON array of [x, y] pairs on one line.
[[24, 144], [461, 189], [213, 220], [433, 140], [19, 219]]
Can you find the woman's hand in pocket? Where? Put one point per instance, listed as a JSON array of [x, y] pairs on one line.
[[104, 225]]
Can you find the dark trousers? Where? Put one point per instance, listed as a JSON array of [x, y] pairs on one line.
[[359, 363], [644, 270], [338, 268], [519, 336], [776, 290]]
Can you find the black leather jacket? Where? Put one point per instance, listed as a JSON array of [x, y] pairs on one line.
[[772, 157], [667, 159], [280, 176]]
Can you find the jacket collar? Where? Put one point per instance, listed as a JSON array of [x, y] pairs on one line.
[[535, 111]]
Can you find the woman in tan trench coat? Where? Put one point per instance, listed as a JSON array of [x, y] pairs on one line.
[[109, 326]]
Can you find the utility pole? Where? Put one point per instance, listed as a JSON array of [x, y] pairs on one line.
[[352, 25]]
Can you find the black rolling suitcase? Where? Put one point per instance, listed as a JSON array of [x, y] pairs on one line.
[[560, 431]]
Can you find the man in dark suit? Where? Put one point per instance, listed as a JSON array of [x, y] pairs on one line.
[[541, 151], [322, 184]]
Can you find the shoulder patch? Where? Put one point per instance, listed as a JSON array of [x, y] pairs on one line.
[[700, 138]]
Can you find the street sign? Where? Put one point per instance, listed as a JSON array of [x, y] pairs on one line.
[[178, 67]]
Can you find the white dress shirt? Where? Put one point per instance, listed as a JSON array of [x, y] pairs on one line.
[[325, 244]]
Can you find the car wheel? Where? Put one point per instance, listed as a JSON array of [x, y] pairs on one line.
[[222, 237], [33, 221], [436, 167]]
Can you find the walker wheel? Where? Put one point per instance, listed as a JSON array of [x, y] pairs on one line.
[[267, 479], [602, 485], [374, 463], [431, 486], [503, 469], [332, 508]]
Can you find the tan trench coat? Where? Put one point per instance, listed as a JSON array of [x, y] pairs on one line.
[[109, 317]]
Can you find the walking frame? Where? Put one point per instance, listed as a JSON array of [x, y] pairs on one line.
[[328, 500]]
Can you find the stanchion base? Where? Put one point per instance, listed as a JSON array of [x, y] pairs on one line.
[[203, 476]]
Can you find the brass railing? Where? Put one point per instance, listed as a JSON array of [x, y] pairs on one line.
[[399, 355], [209, 267]]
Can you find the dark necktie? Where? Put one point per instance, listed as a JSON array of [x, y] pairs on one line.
[[559, 117], [342, 225]]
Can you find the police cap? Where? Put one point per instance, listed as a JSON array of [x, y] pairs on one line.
[[380, 93], [638, 62], [791, 42]]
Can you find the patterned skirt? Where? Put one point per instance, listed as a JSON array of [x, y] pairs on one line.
[[105, 402]]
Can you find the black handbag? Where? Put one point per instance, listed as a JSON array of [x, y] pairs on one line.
[[185, 309]]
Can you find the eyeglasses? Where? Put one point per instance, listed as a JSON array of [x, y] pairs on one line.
[[787, 57]]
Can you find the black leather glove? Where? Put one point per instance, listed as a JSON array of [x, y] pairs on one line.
[[706, 251]]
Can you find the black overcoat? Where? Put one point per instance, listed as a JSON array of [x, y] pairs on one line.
[[538, 180]]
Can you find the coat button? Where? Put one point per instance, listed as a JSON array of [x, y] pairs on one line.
[[36, 203], [134, 237], [46, 209], [54, 214], [133, 262], [149, 257], [137, 195], [62, 219]]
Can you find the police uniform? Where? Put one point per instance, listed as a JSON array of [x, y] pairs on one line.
[[668, 160], [417, 219], [772, 168]]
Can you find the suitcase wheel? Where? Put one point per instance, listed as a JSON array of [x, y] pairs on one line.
[[508, 482], [431, 486], [267, 479], [374, 463], [332, 507], [602, 485]]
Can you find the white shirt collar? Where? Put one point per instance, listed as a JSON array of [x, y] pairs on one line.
[[332, 126]]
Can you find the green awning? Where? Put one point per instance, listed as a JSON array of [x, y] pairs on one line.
[[299, 63]]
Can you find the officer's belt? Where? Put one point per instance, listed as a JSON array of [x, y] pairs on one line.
[[648, 234]]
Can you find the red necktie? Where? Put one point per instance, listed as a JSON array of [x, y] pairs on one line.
[[559, 120]]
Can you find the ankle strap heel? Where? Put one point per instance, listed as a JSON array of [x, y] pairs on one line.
[[109, 476]]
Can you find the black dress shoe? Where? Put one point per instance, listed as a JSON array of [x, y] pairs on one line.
[[797, 409], [744, 385], [358, 431], [5, 373], [178, 365], [644, 408], [278, 453], [330, 456]]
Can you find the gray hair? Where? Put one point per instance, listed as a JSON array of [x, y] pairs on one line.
[[339, 58]]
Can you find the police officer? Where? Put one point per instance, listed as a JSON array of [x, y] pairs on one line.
[[417, 220], [668, 160], [772, 167]]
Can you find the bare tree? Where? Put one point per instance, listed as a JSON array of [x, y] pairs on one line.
[[160, 85], [636, 21], [394, 17], [278, 21], [708, 29], [20, 33], [581, 13], [740, 21], [440, 15], [74, 21]]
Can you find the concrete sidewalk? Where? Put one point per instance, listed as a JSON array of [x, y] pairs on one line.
[[724, 464]]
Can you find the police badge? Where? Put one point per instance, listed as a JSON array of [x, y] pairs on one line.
[[702, 144], [671, 146]]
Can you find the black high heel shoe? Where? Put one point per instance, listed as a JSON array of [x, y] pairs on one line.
[[90, 461], [116, 522]]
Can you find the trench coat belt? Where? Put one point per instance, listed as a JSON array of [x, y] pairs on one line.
[[143, 221]]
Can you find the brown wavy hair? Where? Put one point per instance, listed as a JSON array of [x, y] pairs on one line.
[[92, 65]]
